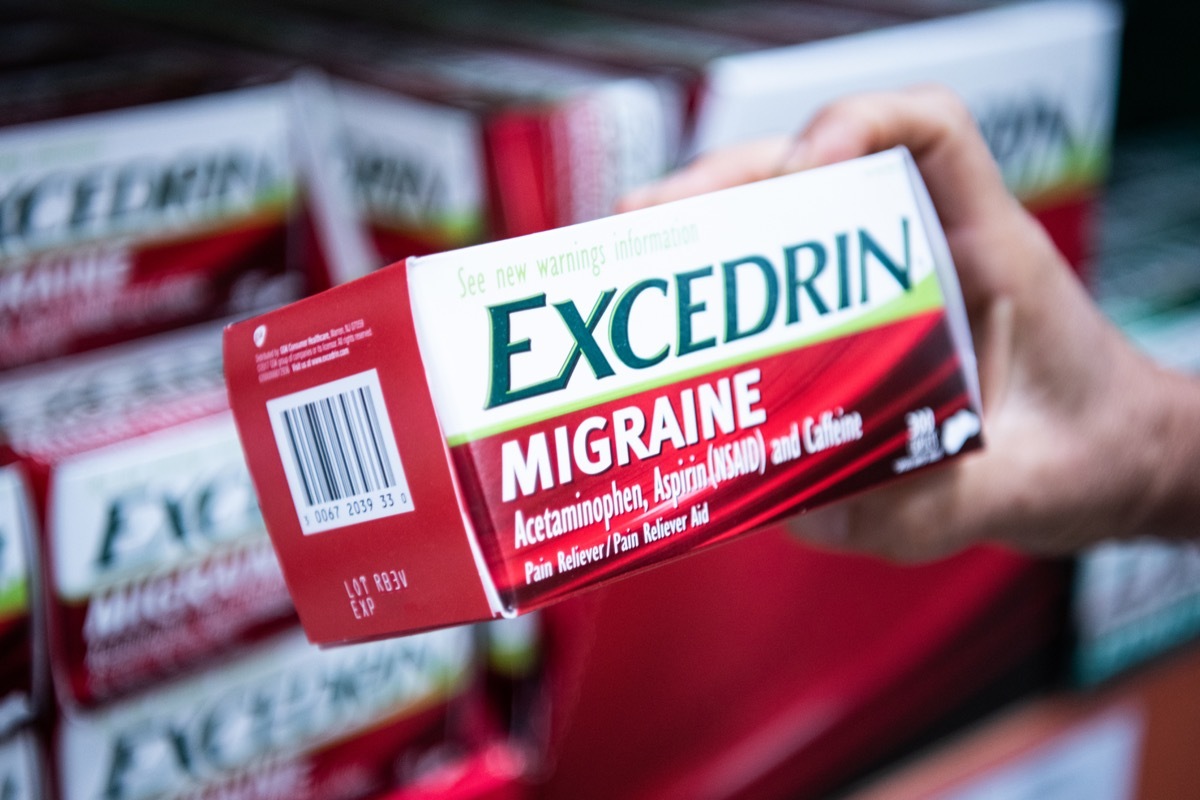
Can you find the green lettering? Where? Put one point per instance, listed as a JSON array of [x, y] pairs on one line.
[[619, 326], [583, 331], [500, 390], [795, 283], [900, 272], [688, 309], [731, 297]]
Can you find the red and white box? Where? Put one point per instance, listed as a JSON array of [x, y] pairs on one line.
[[283, 719], [123, 223], [155, 560], [481, 432], [1039, 77]]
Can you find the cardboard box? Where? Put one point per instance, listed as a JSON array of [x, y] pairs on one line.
[[124, 223], [1039, 77], [154, 555], [481, 432], [281, 720], [1137, 600]]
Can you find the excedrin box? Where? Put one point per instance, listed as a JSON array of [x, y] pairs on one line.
[[20, 642], [415, 169], [126, 222], [484, 431], [155, 558], [1039, 77], [284, 720]]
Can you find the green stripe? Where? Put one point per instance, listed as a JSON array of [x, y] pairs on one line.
[[14, 597], [1083, 167], [925, 296]]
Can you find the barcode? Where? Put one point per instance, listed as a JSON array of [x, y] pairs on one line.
[[335, 442], [339, 453]]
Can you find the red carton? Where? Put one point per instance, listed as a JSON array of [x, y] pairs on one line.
[[122, 223], [154, 555], [283, 720], [481, 432]]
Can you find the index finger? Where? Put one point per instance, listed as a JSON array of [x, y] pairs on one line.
[[934, 124]]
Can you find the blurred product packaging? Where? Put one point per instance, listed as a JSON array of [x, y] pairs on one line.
[[280, 720], [154, 554]]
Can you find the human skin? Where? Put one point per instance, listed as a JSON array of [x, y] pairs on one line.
[[1085, 438]]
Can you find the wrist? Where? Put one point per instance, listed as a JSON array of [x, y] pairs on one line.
[[1170, 505]]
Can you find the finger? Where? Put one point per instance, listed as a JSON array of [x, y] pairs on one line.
[[933, 124], [720, 169]]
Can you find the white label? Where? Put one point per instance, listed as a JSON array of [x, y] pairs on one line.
[[1039, 77], [613, 140], [149, 505], [414, 165], [88, 390], [19, 769], [1097, 761], [1122, 584], [150, 171], [339, 453]]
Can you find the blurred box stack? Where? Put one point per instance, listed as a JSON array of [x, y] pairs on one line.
[[1136, 601], [177, 664], [552, 141], [1039, 77]]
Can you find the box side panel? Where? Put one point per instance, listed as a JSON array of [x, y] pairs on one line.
[[350, 467]]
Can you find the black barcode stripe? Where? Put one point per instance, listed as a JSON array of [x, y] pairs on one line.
[[341, 474], [338, 446], [360, 431], [373, 424], [287, 419], [322, 452], [367, 486]]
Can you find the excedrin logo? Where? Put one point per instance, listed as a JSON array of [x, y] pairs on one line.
[[393, 185], [61, 208], [791, 292], [290, 709], [152, 523], [1030, 138]]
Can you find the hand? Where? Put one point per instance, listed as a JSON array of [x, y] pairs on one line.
[[1085, 439]]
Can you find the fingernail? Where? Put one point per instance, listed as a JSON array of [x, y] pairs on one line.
[[828, 526]]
